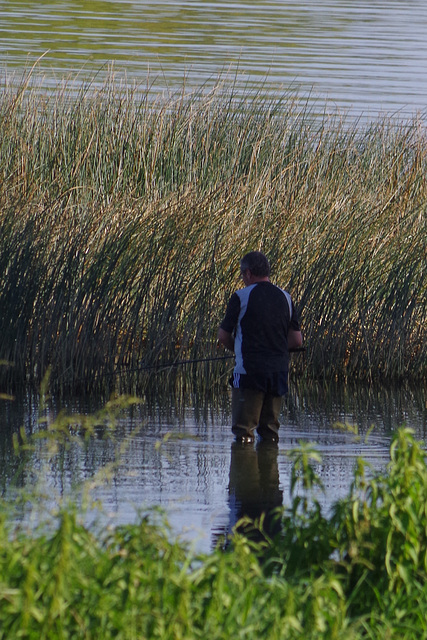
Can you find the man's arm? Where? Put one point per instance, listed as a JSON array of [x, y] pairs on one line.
[[226, 338], [294, 339]]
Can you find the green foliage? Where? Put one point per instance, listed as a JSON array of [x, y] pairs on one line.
[[122, 221], [381, 534], [374, 543], [359, 572]]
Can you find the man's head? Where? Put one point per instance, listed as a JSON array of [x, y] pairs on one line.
[[257, 263]]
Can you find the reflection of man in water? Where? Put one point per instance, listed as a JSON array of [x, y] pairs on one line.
[[254, 488], [260, 325]]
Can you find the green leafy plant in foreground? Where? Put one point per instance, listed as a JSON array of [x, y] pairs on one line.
[[381, 533], [374, 542], [358, 573]]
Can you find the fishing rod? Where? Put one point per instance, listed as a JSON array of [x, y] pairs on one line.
[[159, 366], [176, 363]]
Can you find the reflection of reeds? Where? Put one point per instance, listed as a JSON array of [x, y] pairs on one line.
[[122, 223]]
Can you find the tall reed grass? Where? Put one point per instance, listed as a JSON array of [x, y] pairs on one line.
[[123, 220]]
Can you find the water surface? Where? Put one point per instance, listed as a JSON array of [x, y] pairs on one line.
[[186, 461], [363, 57]]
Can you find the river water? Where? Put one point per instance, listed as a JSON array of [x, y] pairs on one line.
[[183, 458], [364, 58]]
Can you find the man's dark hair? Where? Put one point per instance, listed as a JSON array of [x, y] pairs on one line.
[[257, 263]]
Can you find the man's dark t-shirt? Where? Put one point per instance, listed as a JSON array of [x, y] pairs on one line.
[[260, 317]]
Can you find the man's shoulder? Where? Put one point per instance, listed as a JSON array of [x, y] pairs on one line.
[[268, 294], [243, 294], [259, 290], [269, 288]]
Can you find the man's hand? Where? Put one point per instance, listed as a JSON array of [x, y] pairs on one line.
[[226, 338], [294, 339]]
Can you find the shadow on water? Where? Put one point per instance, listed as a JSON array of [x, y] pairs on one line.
[[254, 494]]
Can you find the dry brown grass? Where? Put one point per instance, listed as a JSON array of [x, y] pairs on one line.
[[122, 223]]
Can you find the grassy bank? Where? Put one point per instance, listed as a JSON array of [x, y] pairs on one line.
[[359, 572], [122, 222]]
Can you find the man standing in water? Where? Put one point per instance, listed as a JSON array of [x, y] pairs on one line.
[[260, 325]]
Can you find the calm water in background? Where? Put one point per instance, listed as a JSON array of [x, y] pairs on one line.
[[184, 460], [364, 57]]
